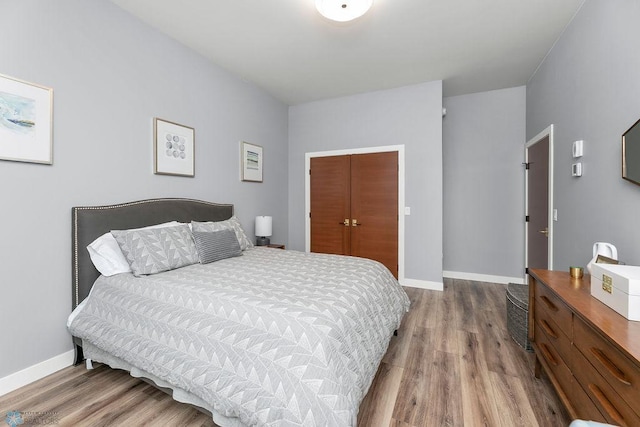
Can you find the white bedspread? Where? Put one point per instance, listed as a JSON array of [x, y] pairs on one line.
[[275, 338]]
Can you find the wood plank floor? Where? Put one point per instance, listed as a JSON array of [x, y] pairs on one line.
[[453, 363]]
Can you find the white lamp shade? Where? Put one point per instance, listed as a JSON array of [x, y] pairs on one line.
[[343, 10], [263, 226]]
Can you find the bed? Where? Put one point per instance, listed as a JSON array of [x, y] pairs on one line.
[[266, 337]]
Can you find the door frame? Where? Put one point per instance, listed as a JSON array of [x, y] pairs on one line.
[[349, 151], [547, 133]]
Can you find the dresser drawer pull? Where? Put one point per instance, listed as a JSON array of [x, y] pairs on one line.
[[548, 302], [606, 404], [548, 355], [548, 329], [610, 366]]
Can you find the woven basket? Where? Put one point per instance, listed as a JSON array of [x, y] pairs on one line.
[[517, 314]]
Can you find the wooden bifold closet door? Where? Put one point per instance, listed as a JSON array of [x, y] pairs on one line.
[[354, 206]]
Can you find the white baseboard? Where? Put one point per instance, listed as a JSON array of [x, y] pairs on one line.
[[482, 277], [422, 284], [33, 373]]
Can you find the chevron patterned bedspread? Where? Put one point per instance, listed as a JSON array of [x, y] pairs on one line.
[[273, 337]]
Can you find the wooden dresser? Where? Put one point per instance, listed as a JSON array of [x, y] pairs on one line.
[[590, 353]]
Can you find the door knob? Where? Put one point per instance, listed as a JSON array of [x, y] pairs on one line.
[[345, 223], [354, 223], [545, 231]]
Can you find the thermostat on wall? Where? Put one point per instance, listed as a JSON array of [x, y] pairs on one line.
[[576, 169]]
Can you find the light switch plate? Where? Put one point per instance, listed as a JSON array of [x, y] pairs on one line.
[[577, 148]]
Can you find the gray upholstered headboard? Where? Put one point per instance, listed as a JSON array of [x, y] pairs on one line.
[[90, 222]]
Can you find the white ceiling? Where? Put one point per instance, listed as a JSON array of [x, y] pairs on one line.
[[288, 49]]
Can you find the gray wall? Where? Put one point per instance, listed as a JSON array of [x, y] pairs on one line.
[[483, 150], [589, 88], [111, 75], [409, 115]]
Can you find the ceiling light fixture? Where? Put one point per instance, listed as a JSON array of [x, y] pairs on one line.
[[343, 10]]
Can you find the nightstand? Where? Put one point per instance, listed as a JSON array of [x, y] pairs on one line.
[[275, 246]]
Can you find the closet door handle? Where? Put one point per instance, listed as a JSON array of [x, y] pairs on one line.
[[354, 223], [345, 223]]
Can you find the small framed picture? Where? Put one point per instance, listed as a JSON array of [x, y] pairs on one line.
[[173, 149], [251, 162], [26, 121]]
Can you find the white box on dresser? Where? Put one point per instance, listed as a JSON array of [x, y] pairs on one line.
[[618, 286]]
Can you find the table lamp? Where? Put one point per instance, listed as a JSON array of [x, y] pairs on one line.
[[263, 230]]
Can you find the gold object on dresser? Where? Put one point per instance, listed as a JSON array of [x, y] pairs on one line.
[[576, 272], [590, 353]]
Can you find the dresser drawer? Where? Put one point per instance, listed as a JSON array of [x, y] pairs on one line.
[[557, 309], [608, 402], [620, 372], [555, 336], [546, 351], [583, 406]]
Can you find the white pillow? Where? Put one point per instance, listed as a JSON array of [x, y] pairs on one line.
[[106, 255]]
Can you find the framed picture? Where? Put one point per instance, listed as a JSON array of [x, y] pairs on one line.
[[26, 121], [173, 149], [251, 159]]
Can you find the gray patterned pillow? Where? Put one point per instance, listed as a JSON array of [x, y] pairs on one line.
[[153, 250], [231, 223], [245, 242], [216, 245]]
